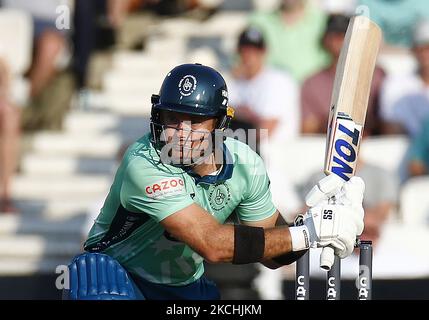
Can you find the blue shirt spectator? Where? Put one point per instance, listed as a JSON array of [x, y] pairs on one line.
[[418, 163], [409, 112]]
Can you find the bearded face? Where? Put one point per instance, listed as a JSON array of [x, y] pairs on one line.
[[187, 138]]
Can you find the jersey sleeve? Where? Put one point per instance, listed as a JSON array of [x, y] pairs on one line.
[[257, 202], [152, 191]]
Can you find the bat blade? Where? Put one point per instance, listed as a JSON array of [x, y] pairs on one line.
[[349, 100]]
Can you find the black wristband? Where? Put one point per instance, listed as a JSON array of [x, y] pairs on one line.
[[289, 257], [249, 244]]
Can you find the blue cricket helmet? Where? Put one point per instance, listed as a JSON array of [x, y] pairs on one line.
[[191, 89]]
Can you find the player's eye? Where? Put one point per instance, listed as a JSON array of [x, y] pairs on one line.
[[198, 119], [170, 119]]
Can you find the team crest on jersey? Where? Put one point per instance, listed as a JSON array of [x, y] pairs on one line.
[[219, 196], [187, 85]]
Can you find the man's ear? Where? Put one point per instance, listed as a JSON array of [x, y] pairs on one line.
[[215, 123]]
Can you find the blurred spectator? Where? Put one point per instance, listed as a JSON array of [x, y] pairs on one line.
[[293, 34], [316, 90], [380, 197], [101, 24], [264, 98], [50, 87], [9, 139], [49, 42], [346, 7], [418, 155], [94, 25], [117, 11], [397, 18], [178, 7], [406, 99]]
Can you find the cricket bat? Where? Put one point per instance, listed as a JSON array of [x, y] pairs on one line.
[[349, 102]]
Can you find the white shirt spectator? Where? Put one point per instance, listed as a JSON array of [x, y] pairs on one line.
[[270, 94], [394, 88], [340, 7]]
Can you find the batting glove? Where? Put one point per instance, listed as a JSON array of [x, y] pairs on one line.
[[334, 223]]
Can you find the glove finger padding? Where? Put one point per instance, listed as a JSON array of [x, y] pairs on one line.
[[347, 238], [325, 189], [335, 243], [353, 192], [339, 248], [356, 215]]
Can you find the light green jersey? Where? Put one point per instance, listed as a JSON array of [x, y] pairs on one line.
[[145, 192]]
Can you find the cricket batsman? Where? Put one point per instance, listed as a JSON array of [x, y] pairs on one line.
[[176, 186]]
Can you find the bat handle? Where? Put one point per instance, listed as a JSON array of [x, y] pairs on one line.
[[327, 258]]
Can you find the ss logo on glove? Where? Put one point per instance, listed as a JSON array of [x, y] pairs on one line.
[[327, 214]]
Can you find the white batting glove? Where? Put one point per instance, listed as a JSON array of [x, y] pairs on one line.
[[336, 223]]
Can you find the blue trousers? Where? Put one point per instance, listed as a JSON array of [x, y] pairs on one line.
[[97, 276], [202, 289]]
